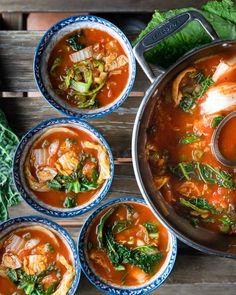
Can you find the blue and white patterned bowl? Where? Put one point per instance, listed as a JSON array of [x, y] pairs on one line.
[[21, 154], [45, 47], [154, 283], [18, 222]]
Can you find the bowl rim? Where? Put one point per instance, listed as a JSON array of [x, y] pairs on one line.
[[43, 207], [97, 281], [60, 231], [43, 43]]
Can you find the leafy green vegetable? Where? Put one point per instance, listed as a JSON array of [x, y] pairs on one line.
[[205, 173], [120, 225], [144, 257], [74, 41], [152, 230], [12, 275], [225, 9], [226, 220], [32, 284], [100, 227], [226, 224], [221, 15], [8, 143], [215, 122], [203, 84], [188, 203], [190, 138], [200, 205], [70, 202], [71, 141], [76, 182], [56, 63]]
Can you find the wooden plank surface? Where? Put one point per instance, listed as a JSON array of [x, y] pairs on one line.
[[16, 62], [94, 6]]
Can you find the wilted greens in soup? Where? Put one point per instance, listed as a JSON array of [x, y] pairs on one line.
[[66, 167], [127, 245], [88, 68], [34, 261], [179, 143]]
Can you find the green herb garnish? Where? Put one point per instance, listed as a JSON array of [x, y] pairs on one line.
[[203, 84], [32, 284], [204, 172], [190, 138], [216, 121], [74, 41]]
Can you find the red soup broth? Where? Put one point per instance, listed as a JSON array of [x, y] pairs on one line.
[[227, 140], [57, 198], [131, 275], [164, 152], [33, 233], [116, 80]]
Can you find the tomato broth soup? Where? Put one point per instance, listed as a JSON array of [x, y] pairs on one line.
[[34, 260], [127, 245], [200, 188], [88, 68], [66, 167]]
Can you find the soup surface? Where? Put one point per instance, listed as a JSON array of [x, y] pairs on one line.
[[34, 260], [66, 167], [88, 68], [199, 187], [127, 245]]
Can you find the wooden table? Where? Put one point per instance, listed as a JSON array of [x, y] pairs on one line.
[[194, 272]]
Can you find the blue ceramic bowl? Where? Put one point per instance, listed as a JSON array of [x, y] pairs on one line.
[[101, 284], [20, 157], [50, 39], [18, 222]]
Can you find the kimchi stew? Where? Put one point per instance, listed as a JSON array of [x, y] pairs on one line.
[[88, 68], [183, 166], [127, 245], [66, 167], [34, 260]]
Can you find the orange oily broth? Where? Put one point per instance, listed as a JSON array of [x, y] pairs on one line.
[[227, 140], [57, 198], [6, 286], [132, 274], [175, 124], [114, 85]]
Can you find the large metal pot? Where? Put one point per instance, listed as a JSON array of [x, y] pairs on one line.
[[199, 238]]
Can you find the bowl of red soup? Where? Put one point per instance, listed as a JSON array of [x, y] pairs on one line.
[[37, 256], [63, 167], [124, 249], [84, 66]]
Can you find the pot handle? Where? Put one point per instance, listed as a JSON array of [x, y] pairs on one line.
[[168, 28]]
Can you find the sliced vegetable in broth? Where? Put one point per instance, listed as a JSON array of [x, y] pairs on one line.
[[88, 68]]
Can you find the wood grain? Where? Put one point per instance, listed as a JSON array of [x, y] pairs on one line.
[[26, 112], [16, 62], [93, 6]]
